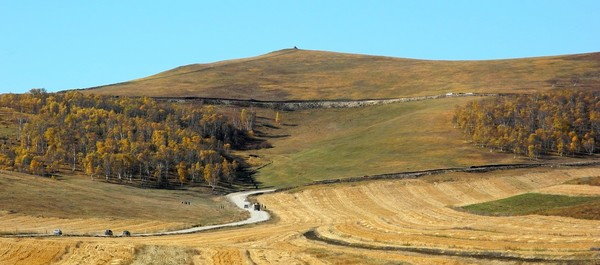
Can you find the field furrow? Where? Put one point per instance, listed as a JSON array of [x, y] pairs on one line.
[[415, 218]]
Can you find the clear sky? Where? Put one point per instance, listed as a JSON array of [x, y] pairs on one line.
[[60, 45]]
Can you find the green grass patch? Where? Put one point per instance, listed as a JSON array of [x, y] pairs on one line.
[[536, 203], [337, 143]]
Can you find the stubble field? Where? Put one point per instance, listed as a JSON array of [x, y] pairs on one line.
[[376, 222]]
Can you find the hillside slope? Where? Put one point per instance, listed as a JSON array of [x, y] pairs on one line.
[[338, 143], [307, 75]]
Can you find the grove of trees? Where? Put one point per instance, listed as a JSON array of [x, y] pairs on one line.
[[130, 139], [560, 123]]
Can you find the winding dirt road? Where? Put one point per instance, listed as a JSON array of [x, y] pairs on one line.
[[240, 200]]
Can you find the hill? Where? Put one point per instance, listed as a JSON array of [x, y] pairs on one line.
[[75, 204], [316, 75], [319, 144]]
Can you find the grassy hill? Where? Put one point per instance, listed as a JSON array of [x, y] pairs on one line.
[[334, 143], [308, 75], [320, 144], [65, 201]]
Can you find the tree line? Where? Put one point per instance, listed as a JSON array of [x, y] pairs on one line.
[[565, 122], [130, 139]]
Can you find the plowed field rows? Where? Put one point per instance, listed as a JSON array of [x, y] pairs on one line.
[[374, 222], [575, 190]]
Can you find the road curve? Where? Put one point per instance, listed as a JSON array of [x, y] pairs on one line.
[[239, 199]]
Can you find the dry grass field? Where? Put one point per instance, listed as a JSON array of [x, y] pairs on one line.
[[77, 205], [306, 74], [374, 222]]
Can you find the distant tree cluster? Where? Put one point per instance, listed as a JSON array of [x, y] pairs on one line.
[[562, 122], [131, 139]]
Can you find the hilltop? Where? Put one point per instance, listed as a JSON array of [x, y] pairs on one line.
[[294, 74]]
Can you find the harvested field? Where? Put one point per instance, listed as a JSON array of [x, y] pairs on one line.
[[30, 251], [42, 251], [25, 224], [575, 190], [376, 222], [163, 255], [416, 214]]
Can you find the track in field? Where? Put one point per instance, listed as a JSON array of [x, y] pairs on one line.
[[375, 215]]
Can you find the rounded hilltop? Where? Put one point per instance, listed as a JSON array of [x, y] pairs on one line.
[[297, 74]]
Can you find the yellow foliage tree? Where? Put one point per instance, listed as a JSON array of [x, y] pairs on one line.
[[36, 166], [182, 172], [210, 176]]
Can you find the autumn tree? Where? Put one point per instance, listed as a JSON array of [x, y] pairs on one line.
[[560, 122], [123, 139], [36, 166], [182, 172], [210, 177]]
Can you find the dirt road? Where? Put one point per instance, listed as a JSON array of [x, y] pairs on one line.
[[240, 200]]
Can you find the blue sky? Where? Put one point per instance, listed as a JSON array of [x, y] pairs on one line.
[[60, 45]]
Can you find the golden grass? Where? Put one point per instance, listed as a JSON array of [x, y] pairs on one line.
[[416, 214], [79, 206], [573, 190], [305, 74]]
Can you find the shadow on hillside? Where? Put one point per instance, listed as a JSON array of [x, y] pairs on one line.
[[276, 136], [246, 180]]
